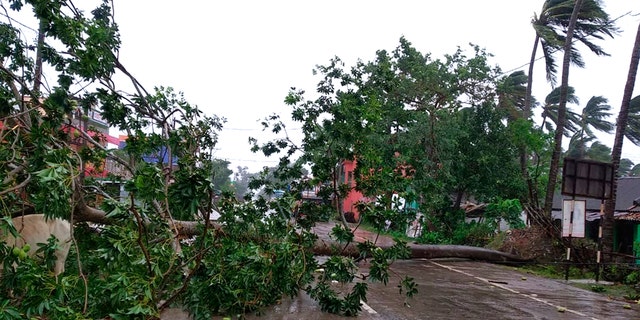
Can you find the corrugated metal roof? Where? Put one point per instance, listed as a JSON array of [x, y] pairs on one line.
[[627, 192]]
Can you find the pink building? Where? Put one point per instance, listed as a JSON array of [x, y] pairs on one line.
[[346, 176]]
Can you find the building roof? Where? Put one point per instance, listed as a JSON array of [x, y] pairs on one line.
[[627, 201]]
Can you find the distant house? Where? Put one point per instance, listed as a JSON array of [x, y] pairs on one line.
[[626, 215], [346, 176]]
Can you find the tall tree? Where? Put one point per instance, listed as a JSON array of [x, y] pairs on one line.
[[621, 128], [562, 111], [484, 165], [551, 29]]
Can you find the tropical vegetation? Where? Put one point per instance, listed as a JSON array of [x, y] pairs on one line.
[[437, 132]]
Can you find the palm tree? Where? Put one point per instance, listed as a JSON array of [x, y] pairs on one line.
[[551, 31], [578, 146], [593, 116], [511, 94], [550, 111], [562, 111], [621, 126], [597, 151]]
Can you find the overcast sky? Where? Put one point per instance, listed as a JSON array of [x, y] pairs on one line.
[[238, 59]]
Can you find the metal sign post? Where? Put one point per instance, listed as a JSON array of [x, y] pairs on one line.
[[570, 233], [588, 179], [599, 241], [573, 225]]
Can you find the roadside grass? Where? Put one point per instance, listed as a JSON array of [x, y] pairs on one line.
[[615, 290]]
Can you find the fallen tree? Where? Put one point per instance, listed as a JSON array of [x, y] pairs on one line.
[[325, 246]]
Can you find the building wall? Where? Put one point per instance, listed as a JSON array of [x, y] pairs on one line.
[[346, 176]]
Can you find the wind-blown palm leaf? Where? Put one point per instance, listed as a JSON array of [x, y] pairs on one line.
[[578, 146], [624, 168], [550, 26], [550, 118], [594, 115], [511, 91], [550, 111], [599, 152], [633, 122], [554, 96]]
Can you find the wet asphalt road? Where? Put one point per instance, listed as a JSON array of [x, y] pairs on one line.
[[455, 289]]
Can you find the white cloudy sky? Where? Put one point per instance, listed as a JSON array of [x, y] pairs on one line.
[[238, 59]]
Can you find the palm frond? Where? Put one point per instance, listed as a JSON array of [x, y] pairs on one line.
[[632, 131]]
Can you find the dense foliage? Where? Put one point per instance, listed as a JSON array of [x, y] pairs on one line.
[[427, 134], [421, 130], [142, 240]]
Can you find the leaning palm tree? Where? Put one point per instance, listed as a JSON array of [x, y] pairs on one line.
[[621, 128], [551, 30], [551, 27], [512, 91], [562, 111]]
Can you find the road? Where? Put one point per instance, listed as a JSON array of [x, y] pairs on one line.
[[456, 289]]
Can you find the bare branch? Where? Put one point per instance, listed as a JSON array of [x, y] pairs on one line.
[[14, 88], [11, 174], [101, 147], [16, 187]]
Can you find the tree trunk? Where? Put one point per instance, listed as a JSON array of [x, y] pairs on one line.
[[616, 152], [532, 200], [426, 251], [562, 111], [37, 77], [528, 98]]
